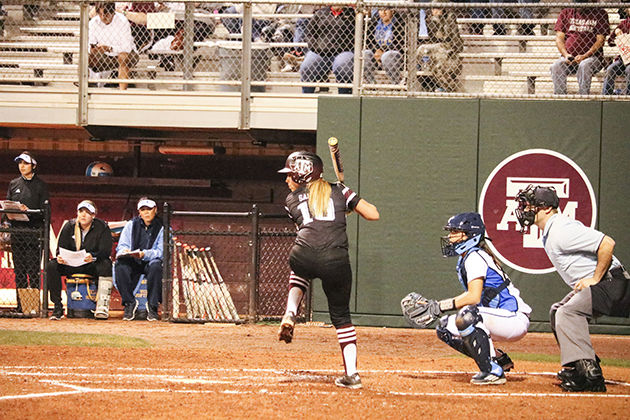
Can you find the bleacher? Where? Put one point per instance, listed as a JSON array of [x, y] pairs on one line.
[[46, 51]]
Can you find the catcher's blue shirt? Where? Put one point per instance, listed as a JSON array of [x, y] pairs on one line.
[[479, 264]]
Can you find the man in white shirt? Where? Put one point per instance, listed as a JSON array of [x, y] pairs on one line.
[[111, 44]]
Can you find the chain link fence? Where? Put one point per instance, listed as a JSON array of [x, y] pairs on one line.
[[227, 266], [519, 49], [22, 244]]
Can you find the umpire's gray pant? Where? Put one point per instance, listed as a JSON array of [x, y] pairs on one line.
[[569, 322]]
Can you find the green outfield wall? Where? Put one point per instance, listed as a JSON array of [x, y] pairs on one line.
[[422, 160]]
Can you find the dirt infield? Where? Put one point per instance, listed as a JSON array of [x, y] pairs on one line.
[[228, 371]]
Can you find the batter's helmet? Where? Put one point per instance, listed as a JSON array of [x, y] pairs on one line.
[[536, 197], [303, 167], [471, 224], [99, 169]]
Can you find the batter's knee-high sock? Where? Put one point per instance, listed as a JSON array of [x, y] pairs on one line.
[[347, 337], [297, 288], [294, 299]]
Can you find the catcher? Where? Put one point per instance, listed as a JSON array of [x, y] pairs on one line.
[[490, 308]]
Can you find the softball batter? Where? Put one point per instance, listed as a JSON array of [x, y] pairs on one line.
[[319, 209]]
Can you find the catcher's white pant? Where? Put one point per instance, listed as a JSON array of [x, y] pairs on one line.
[[499, 324]]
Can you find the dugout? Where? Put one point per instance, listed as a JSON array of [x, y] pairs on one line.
[[422, 160]]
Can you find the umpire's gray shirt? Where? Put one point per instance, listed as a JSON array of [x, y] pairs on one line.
[[572, 248]]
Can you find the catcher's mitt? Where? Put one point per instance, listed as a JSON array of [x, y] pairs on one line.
[[419, 311]]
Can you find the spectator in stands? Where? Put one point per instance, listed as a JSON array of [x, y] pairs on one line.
[[384, 41], [580, 36], [111, 45], [330, 39], [136, 14], [617, 68], [495, 12], [163, 40], [526, 13], [440, 54], [3, 16], [88, 233], [295, 55], [32, 193], [140, 251], [235, 25]]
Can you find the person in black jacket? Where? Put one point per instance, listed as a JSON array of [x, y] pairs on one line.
[[88, 233], [29, 190], [384, 43], [330, 38]]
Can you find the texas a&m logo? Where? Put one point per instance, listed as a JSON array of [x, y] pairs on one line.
[[498, 207]]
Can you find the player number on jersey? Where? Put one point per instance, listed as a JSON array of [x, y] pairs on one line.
[[308, 218]]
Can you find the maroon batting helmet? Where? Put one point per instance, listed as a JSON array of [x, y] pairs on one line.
[[303, 167]]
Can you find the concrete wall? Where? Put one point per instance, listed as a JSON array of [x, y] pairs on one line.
[[423, 160]]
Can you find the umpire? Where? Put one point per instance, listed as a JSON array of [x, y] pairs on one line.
[[584, 259]]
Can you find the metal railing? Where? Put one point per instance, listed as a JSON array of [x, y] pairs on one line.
[[297, 47]]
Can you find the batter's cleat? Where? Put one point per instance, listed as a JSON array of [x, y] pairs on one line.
[[502, 359], [57, 313], [349, 381], [285, 333], [130, 311]]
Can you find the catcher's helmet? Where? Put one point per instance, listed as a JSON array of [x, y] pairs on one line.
[[471, 224], [99, 169], [536, 197], [303, 167]]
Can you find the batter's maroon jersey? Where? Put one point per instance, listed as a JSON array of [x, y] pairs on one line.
[[328, 231]]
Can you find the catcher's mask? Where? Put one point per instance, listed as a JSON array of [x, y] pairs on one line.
[[536, 198], [303, 167], [469, 223]]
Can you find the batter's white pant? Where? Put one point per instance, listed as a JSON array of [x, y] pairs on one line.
[[499, 324]]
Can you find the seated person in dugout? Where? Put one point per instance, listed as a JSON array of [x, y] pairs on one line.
[[140, 251], [111, 46], [94, 236]]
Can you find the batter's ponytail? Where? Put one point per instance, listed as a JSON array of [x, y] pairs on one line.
[[318, 196]]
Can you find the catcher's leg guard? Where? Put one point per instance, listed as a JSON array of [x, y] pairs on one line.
[[452, 340], [475, 339], [102, 298]]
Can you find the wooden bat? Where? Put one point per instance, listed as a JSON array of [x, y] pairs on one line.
[[213, 285], [333, 146], [226, 293], [214, 299], [175, 285]]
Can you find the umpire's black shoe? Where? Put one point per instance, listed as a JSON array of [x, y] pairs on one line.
[[502, 359], [130, 311], [57, 313], [587, 377], [568, 373]]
